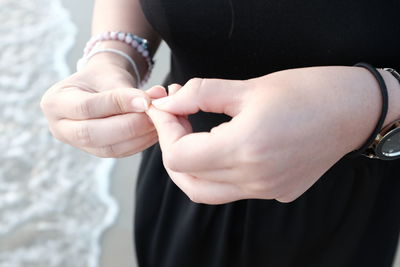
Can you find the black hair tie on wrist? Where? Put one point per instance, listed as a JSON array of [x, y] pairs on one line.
[[385, 104]]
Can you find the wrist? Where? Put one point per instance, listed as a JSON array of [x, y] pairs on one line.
[[393, 87], [117, 60], [129, 46], [102, 59], [383, 142], [389, 113]]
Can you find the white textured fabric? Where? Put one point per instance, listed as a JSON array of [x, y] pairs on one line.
[[54, 200]]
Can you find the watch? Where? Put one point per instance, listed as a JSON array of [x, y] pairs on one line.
[[386, 145]]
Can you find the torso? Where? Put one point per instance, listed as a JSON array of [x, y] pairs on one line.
[[351, 210]]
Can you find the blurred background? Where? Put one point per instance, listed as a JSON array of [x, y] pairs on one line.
[[58, 206]]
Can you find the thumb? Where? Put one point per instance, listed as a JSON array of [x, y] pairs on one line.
[[156, 92], [208, 95], [77, 104], [170, 128]]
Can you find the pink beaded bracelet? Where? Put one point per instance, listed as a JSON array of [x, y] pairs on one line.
[[140, 44]]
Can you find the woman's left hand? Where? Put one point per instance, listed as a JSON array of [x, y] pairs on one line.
[[287, 129]]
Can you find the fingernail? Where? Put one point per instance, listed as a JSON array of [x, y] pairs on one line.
[[170, 88], [158, 103], [173, 88], [139, 104]]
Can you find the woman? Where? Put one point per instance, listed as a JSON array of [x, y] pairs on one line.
[[287, 192]]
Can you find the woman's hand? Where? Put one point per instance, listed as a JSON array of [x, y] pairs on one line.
[[288, 128], [99, 111]]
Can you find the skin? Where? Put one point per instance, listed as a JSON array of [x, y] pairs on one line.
[[308, 117], [93, 109], [288, 129]]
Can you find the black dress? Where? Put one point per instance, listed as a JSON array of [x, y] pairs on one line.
[[350, 217]]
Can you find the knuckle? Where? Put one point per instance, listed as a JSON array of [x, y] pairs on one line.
[[52, 130], [55, 133], [195, 197], [130, 127], [197, 84], [82, 136], [46, 104], [84, 109], [118, 101], [195, 81], [107, 152], [170, 162]]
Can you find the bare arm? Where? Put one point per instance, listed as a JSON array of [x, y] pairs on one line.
[[288, 129], [97, 109], [126, 16]]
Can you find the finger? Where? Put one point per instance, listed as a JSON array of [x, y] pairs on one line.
[[125, 148], [209, 95], [200, 152], [184, 151], [156, 92], [169, 127], [202, 191], [77, 104], [173, 88], [106, 131]]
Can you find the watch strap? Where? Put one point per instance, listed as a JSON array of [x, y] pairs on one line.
[[371, 152]]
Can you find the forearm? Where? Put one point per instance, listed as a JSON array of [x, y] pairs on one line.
[[351, 92], [126, 16]]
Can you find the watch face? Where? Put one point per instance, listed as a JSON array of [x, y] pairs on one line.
[[390, 145]]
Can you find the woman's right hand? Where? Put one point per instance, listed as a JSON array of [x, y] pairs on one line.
[[99, 111]]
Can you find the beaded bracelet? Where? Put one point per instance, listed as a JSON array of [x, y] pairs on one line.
[[385, 104], [83, 61], [140, 44]]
